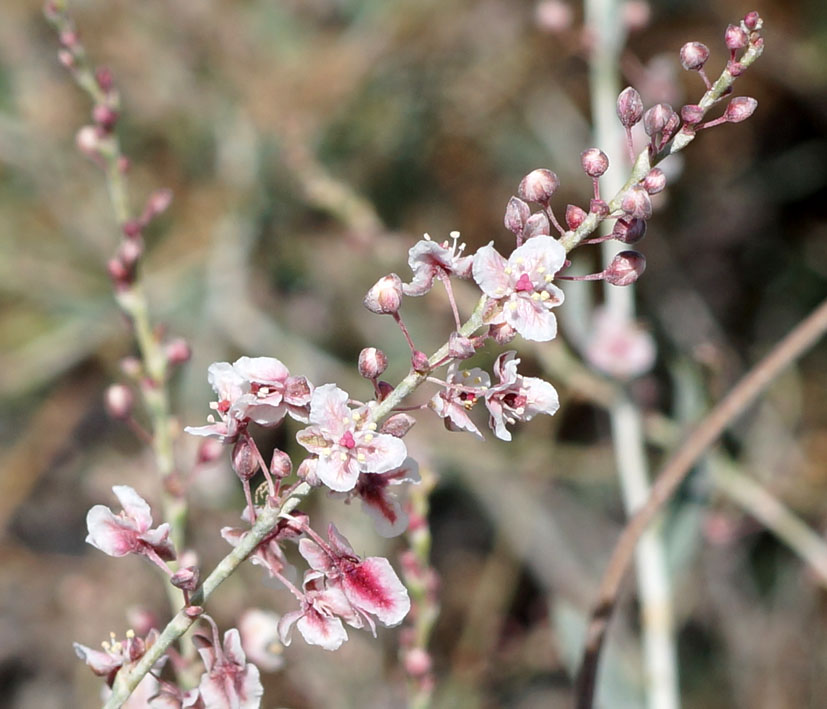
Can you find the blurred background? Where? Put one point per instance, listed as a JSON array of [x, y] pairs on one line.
[[309, 144]]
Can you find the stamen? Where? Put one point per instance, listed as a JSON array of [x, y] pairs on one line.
[[368, 437], [426, 236], [507, 271], [360, 457], [549, 278]]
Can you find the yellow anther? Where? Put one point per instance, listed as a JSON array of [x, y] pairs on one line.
[[426, 236], [466, 373], [507, 271], [519, 261], [535, 296], [549, 278], [541, 269], [477, 380], [346, 420], [512, 305], [372, 426], [343, 456], [545, 295], [368, 437], [360, 457], [105, 645], [130, 634], [356, 415]]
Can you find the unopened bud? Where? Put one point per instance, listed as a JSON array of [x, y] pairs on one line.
[[671, 126], [103, 77], [120, 274], [629, 231], [307, 472], [244, 459], [88, 142], [194, 611], [280, 464], [460, 347], [516, 215], [694, 55], [636, 203], [740, 108], [752, 20], [177, 351], [419, 362], [129, 252], [599, 207], [655, 181], [594, 161], [692, 114], [625, 268], [131, 367], [66, 58], [575, 216], [502, 333], [538, 186], [537, 225], [131, 228], [417, 662], [656, 118], [553, 16], [372, 362], [118, 401], [397, 425], [157, 203], [186, 579], [735, 37], [211, 449], [68, 38], [629, 107], [385, 297], [104, 116]]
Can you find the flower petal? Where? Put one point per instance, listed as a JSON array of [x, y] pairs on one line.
[[328, 408], [531, 319], [322, 630], [489, 271], [135, 506], [374, 587], [382, 452], [263, 370], [111, 534]]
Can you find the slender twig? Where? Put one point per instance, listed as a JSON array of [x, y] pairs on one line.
[[795, 344]]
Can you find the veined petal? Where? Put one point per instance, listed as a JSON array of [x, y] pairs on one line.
[[135, 506], [382, 452], [263, 370], [314, 555], [339, 475], [110, 534], [374, 587], [541, 397], [225, 381], [489, 272], [540, 251], [329, 409], [325, 631], [531, 319]]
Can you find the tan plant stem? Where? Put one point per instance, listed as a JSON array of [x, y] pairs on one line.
[[795, 344]]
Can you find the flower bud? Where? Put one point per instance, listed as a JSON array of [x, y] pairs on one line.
[[538, 186], [372, 362], [516, 214], [752, 20], [735, 37], [385, 297], [280, 464], [397, 425], [636, 203], [210, 449], [88, 142], [599, 207], [307, 472], [574, 216], [692, 114], [655, 181], [629, 231], [625, 268], [460, 347], [244, 460], [177, 351], [419, 362], [105, 117], [131, 228], [158, 203], [656, 118], [537, 225], [502, 333], [553, 16], [629, 107], [417, 662], [118, 401], [104, 79], [66, 58], [671, 126], [186, 579], [740, 108], [594, 161], [131, 367], [694, 56]]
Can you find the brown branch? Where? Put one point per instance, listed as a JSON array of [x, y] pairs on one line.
[[795, 344]]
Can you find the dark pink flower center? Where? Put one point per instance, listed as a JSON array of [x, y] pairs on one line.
[[347, 441], [224, 406], [524, 283]]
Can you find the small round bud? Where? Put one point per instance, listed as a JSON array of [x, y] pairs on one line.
[[177, 351], [692, 114], [372, 362], [460, 347], [419, 362], [157, 203], [280, 464], [105, 117], [66, 58], [656, 118], [625, 268], [118, 401], [210, 449], [629, 107], [194, 611], [594, 161], [752, 20], [131, 228], [599, 207], [553, 16], [244, 459], [68, 38], [131, 367], [629, 231], [88, 142], [398, 425], [537, 225], [654, 181], [186, 579], [104, 79], [417, 662], [636, 203], [575, 216], [538, 186], [740, 108], [735, 37], [694, 55], [129, 252], [385, 297], [516, 215], [502, 333]]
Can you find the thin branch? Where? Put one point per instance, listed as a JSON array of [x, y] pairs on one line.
[[795, 344]]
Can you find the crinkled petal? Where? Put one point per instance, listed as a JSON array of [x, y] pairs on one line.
[[285, 626], [314, 555], [314, 439], [329, 409], [111, 534], [324, 631], [374, 587], [267, 413], [135, 506], [219, 430], [489, 272], [381, 451], [542, 397], [531, 319], [263, 370], [338, 542], [232, 645], [339, 475], [158, 539], [101, 663], [456, 417], [497, 419], [542, 251], [225, 381]]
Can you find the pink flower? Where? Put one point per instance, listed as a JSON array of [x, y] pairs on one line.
[[619, 347], [129, 531], [370, 585], [454, 402], [522, 285], [269, 553], [115, 654], [318, 618], [428, 260], [346, 440], [389, 519], [517, 398], [231, 405], [230, 682], [274, 392]]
